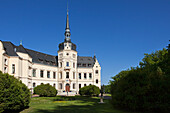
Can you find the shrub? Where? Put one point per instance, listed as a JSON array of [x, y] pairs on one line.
[[144, 88], [90, 90], [45, 90], [14, 95]]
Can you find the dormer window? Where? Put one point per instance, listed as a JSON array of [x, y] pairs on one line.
[[89, 65], [15, 49], [61, 55], [84, 65], [74, 56], [78, 64]]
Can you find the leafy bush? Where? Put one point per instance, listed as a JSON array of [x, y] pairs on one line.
[[45, 90], [14, 95], [90, 90], [144, 88]]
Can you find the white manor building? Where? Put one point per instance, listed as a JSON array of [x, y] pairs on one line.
[[66, 72]]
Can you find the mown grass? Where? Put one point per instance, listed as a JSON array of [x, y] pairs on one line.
[[75, 104]]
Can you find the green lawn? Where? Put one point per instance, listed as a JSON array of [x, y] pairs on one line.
[[75, 104]]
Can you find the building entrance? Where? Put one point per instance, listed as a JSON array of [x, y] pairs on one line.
[[67, 87]]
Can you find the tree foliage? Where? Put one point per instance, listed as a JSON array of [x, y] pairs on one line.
[[144, 88], [14, 95], [45, 90], [90, 90], [107, 88]]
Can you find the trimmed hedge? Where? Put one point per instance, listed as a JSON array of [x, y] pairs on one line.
[[90, 90], [45, 90], [14, 95]]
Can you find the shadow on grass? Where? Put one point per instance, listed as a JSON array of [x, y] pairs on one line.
[[93, 107]]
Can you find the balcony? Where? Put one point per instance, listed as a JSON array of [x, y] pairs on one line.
[[67, 68]]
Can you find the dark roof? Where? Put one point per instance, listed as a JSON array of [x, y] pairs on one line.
[[10, 49], [37, 57], [21, 49], [42, 58], [61, 46], [85, 61]]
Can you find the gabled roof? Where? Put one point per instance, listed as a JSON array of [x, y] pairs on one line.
[[10, 48], [37, 57], [21, 49]]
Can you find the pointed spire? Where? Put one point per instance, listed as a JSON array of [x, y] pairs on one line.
[[67, 23], [67, 30]]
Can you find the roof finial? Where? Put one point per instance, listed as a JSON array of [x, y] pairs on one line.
[[94, 55], [67, 6], [20, 42]]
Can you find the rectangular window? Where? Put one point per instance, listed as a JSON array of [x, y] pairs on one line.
[[67, 64], [5, 69], [60, 86], [73, 65], [74, 86], [48, 74], [79, 86], [79, 75], [5, 61], [61, 75], [34, 72], [90, 75], [85, 77], [60, 64], [67, 74], [41, 73], [13, 68], [74, 75], [54, 75]]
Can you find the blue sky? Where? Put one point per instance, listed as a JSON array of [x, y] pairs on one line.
[[119, 32]]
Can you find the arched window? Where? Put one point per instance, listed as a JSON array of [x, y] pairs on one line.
[[97, 71], [90, 75], [79, 86], [53, 85], [67, 74], [34, 84], [97, 81], [84, 84]]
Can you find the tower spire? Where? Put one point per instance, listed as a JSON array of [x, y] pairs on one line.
[[67, 30]]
